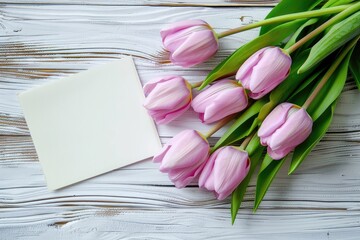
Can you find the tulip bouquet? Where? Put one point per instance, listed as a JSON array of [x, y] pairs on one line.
[[281, 89]]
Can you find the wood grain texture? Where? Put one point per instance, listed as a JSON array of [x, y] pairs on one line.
[[212, 3], [42, 41]]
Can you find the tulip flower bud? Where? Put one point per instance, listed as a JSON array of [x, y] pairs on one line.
[[221, 99], [189, 42], [183, 157], [264, 70], [284, 128], [167, 98], [224, 171]]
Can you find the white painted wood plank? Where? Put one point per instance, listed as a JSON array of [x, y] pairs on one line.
[[326, 188], [178, 224], [151, 2]]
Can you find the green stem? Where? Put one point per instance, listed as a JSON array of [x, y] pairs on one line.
[[330, 71], [340, 16], [197, 84], [284, 18], [219, 125], [246, 142]]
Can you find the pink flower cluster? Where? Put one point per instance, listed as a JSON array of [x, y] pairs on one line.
[[187, 157]]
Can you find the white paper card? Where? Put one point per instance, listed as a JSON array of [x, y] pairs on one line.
[[90, 123]]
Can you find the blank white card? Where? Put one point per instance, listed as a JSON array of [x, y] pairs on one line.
[[89, 123]]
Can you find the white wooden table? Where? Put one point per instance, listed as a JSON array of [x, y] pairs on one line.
[[44, 40]]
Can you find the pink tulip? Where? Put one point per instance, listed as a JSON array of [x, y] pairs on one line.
[[189, 42], [224, 171], [223, 98], [264, 70], [167, 98], [183, 157], [284, 128]]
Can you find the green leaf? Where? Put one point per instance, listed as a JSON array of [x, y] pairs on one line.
[[338, 35], [253, 147], [320, 127], [268, 171], [255, 151], [266, 162], [286, 88], [294, 37], [243, 126], [330, 91], [286, 7], [355, 65], [322, 111], [303, 88], [311, 22], [333, 3], [231, 64], [300, 97]]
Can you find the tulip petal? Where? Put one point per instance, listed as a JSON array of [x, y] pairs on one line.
[[293, 132], [278, 154], [226, 103], [167, 117], [231, 167], [175, 40], [177, 26], [245, 71], [182, 177], [186, 150], [184, 157], [149, 86], [210, 182], [206, 178], [168, 95], [189, 42], [270, 71], [167, 98], [197, 48], [273, 121], [159, 157], [202, 100]]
